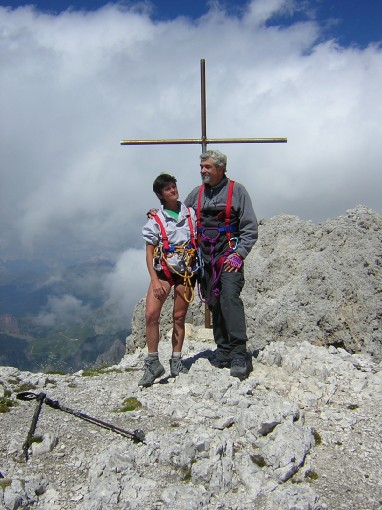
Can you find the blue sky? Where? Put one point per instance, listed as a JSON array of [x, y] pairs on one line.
[[349, 21], [74, 82]]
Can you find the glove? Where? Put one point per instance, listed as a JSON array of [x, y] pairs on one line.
[[234, 260]]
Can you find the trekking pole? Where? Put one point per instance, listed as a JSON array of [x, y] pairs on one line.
[[138, 436], [40, 400]]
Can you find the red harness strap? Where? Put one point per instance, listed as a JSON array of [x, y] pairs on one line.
[[228, 209], [191, 227], [198, 209], [166, 244]]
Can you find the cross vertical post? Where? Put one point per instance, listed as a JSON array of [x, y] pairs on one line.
[[203, 107], [203, 141], [203, 110]]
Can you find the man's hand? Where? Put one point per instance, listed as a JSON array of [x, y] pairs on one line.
[[150, 213], [233, 263]]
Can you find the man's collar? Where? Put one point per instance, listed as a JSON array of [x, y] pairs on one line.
[[218, 186]]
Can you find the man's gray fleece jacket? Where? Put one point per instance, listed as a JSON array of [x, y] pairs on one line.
[[242, 214]]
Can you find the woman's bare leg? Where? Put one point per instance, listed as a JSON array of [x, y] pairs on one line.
[[153, 310], [179, 317]]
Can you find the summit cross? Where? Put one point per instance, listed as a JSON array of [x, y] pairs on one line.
[[203, 141]]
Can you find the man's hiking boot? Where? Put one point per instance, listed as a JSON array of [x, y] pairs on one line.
[[177, 367], [153, 370], [241, 367], [218, 363]]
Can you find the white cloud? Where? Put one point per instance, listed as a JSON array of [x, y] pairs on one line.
[[261, 11], [126, 285], [63, 309], [75, 84]]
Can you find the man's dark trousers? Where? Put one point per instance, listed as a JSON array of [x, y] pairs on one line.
[[228, 318]]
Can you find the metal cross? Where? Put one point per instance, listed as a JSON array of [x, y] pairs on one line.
[[203, 141]]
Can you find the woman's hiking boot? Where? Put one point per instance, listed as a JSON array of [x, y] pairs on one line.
[[177, 367], [153, 370]]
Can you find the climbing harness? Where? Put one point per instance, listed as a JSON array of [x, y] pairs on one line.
[[187, 253], [137, 436], [227, 229]]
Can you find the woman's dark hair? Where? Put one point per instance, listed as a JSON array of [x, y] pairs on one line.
[[161, 182]]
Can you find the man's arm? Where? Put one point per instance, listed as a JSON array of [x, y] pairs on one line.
[[248, 226], [192, 198]]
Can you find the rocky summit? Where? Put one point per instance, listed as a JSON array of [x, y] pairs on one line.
[[303, 432]]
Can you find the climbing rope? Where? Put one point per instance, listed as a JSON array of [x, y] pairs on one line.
[[216, 264], [188, 254]]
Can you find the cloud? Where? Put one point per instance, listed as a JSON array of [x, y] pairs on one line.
[[63, 309], [78, 292], [126, 285], [75, 84]]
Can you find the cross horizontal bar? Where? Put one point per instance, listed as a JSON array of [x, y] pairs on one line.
[[181, 141]]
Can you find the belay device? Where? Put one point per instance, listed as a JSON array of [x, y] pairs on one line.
[[137, 436]]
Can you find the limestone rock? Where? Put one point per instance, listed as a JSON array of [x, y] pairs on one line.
[[319, 283], [303, 432]]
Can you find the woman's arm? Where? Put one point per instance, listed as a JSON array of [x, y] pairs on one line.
[[156, 283], [149, 261]]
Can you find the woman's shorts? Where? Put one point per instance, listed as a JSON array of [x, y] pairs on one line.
[[178, 280]]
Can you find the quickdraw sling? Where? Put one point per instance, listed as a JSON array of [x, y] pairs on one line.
[[187, 252], [227, 229]]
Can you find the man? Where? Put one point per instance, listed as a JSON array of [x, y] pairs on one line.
[[226, 235]]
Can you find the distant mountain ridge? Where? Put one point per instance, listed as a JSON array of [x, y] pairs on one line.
[[25, 285], [33, 338], [64, 348]]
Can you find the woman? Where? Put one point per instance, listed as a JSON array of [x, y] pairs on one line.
[[171, 261]]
